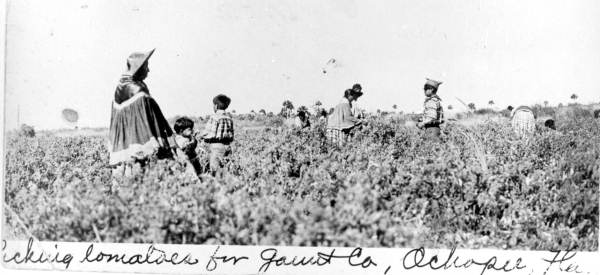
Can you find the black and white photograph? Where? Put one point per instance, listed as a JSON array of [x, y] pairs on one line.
[[354, 123]]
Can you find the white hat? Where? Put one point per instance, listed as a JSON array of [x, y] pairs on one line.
[[136, 60]]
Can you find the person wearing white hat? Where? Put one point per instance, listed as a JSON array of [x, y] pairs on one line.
[[433, 115], [138, 128]]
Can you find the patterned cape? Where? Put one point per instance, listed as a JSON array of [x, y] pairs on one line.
[[433, 113], [137, 126]]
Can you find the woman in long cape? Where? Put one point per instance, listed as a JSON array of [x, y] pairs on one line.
[[138, 128]]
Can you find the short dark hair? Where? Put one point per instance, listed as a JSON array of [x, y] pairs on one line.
[[183, 123], [356, 87], [510, 108], [550, 124], [222, 101], [301, 114], [323, 113]]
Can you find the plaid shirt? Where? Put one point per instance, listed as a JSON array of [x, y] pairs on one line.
[[218, 129]]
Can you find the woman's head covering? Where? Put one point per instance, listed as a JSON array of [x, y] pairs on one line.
[[433, 83], [136, 60]]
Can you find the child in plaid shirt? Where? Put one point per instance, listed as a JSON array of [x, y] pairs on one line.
[[218, 133], [184, 129]]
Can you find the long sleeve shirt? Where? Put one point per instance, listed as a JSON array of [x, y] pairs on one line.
[[218, 129], [433, 113], [342, 117]]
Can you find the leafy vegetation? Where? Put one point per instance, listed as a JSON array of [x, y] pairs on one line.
[[481, 187]]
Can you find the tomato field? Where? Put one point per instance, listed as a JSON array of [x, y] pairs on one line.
[[480, 188]]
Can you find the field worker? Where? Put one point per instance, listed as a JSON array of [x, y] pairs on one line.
[[218, 133], [549, 123], [186, 143], [523, 121], [356, 111], [302, 120], [341, 121], [138, 128], [433, 114]]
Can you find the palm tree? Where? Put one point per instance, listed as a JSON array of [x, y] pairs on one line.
[[545, 103], [471, 106], [574, 97], [491, 103], [395, 107]]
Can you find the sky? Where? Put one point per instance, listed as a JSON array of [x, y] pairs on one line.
[[71, 53]]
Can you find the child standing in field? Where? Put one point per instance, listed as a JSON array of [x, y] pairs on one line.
[[433, 115], [342, 121], [218, 133], [184, 129]]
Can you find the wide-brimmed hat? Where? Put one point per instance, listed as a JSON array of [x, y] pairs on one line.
[[433, 83], [136, 60]]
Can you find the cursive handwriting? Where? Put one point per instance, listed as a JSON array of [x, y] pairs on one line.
[[212, 263], [415, 258], [566, 256], [29, 256], [270, 256], [152, 256]]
